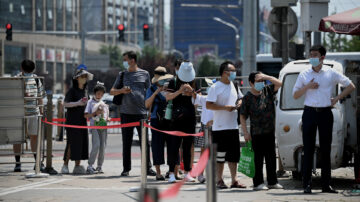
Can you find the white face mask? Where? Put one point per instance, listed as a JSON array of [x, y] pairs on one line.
[[163, 93]]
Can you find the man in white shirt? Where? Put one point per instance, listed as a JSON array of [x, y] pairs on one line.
[[317, 84], [224, 99]]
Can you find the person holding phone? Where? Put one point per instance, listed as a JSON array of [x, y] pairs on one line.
[[132, 109], [77, 144]]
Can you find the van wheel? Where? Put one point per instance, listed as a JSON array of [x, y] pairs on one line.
[[296, 175]]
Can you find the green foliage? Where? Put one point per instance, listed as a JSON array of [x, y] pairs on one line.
[[341, 43], [207, 68], [115, 55]]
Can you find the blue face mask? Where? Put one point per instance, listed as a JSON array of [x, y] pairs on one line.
[[126, 65], [161, 82], [314, 62], [259, 86], [232, 76], [28, 74], [176, 72]]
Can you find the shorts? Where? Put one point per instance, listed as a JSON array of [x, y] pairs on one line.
[[32, 125], [228, 145]]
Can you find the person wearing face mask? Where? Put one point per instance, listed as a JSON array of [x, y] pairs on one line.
[[183, 119], [259, 105], [98, 113], [77, 143], [156, 103], [317, 84], [224, 100], [135, 82]]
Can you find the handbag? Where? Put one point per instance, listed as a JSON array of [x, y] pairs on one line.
[[118, 98], [246, 162]]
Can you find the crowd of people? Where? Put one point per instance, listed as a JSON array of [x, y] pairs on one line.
[[170, 102]]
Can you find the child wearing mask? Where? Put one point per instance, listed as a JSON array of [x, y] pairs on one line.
[[98, 113]]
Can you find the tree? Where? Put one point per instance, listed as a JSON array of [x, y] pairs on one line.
[[207, 68], [114, 52], [334, 42]]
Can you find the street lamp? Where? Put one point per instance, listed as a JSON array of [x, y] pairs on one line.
[[237, 35]]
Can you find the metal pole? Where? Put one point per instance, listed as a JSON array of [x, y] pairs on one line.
[[307, 43], [284, 36], [143, 153], [49, 131], [237, 47], [211, 168], [250, 18], [38, 148], [82, 31]]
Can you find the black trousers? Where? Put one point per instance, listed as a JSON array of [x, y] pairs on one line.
[[313, 119], [158, 143], [264, 148], [127, 138]]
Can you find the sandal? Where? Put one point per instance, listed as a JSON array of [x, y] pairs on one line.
[[221, 184], [237, 184]]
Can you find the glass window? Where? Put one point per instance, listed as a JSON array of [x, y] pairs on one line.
[[39, 10], [59, 15], [69, 17], [49, 17], [13, 55], [287, 99]]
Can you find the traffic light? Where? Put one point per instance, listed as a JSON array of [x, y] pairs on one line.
[[146, 32], [121, 29], [9, 32]]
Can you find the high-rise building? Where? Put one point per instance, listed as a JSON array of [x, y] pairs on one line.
[[195, 33], [57, 55]]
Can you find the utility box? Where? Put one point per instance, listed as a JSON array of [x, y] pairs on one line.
[[283, 3], [311, 13]]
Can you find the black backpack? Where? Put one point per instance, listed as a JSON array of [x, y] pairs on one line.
[[118, 98]]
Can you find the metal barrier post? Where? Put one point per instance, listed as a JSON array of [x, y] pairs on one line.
[[37, 173], [149, 193], [143, 153], [49, 129], [211, 167]]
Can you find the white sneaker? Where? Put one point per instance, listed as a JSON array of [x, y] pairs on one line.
[[188, 178], [90, 170], [201, 179], [79, 170], [261, 187], [65, 169], [172, 178], [276, 186]]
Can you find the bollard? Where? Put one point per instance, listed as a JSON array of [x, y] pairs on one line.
[[210, 168], [49, 115], [143, 153]]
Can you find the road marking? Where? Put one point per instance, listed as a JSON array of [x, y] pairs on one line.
[[11, 190]]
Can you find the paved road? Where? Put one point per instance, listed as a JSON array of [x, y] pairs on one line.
[[111, 187]]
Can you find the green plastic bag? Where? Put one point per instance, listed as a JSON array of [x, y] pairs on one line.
[[246, 162], [101, 122]]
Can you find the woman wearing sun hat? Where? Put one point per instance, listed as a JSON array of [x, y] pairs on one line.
[[156, 103], [77, 144], [183, 118]]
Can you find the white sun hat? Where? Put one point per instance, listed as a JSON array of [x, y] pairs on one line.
[[186, 72]]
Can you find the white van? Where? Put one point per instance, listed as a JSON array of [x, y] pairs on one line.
[[344, 148]]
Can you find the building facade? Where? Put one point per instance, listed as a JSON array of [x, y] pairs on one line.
[[57, 55]]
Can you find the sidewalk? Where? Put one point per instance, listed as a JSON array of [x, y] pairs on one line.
[[111, 187]]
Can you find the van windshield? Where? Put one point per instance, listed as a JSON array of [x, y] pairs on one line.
[[287, 101]]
